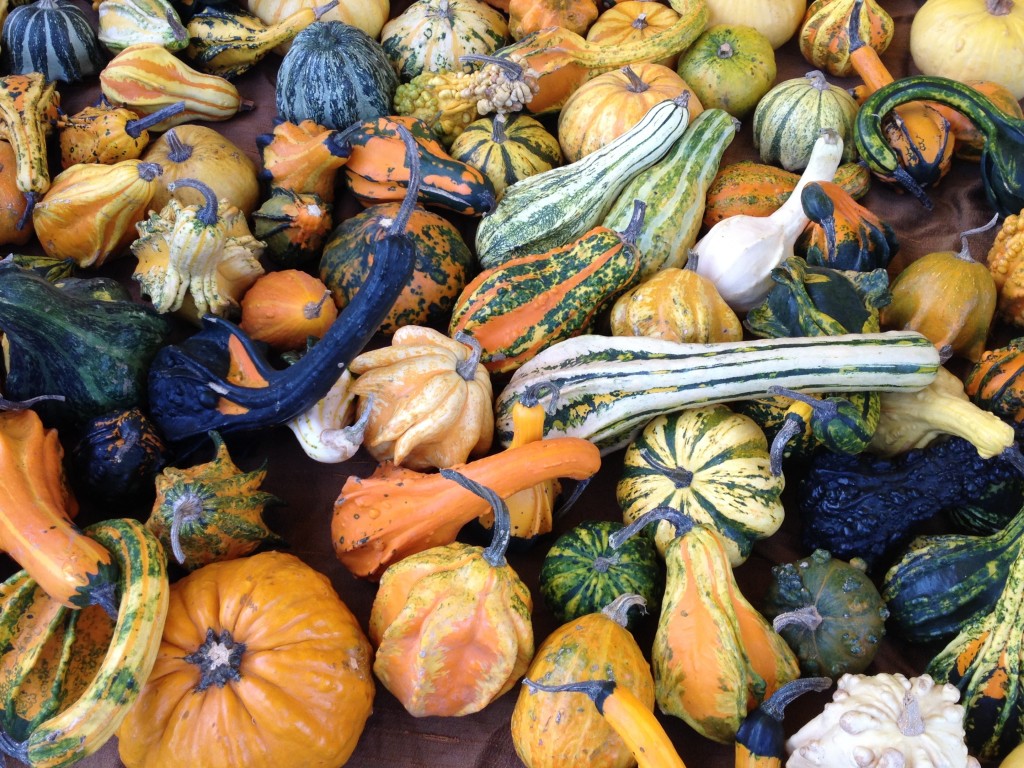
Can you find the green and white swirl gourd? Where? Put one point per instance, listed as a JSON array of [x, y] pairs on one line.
[[52, 37]]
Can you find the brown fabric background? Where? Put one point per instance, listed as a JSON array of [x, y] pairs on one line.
[[392, 737]]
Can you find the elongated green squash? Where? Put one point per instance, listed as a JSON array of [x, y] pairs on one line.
[[555, 207], [524, 305], [674, 190], [609, 387]]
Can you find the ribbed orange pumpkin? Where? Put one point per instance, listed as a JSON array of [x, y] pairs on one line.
[[284, 308], [606, 107], [632, 21], [526, 16]]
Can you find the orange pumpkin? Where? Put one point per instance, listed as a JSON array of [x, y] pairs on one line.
[[284, 308], [261, 664], [609, 105]]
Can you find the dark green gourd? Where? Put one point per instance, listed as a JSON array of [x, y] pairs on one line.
[[53, 37]]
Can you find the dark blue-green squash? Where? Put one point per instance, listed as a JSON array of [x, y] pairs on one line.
[[53, 37], [118, 456], [334, 74]]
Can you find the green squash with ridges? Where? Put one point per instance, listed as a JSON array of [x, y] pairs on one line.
[[675, 189], [609, 387], [556, 207], [335, 75], [53, 37]]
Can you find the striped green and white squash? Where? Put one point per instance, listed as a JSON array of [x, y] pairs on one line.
[[711, 464], [52, 37], [609, 387], [675, 189], [556, 207], [127, 22], [508, 150], [791, 116], [335, 75], [582, 572], [432, 35]]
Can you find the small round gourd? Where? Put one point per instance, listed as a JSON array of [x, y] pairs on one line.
[[729, 68], [790, 117], [334, 75], [118, 456], [995, 382], [285, 308], [583, 572], [31, 34], [632, 21], [829, 612]]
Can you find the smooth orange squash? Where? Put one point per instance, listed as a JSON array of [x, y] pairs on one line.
[[397, 512], [452, 623], [284, 308]]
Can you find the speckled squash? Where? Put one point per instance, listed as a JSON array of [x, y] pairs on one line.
[[443, 264], [211, 511], [825, 39], [995, 383], [631, 21]]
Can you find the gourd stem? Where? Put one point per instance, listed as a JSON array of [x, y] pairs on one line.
[[682, 100], [725, 51], [776, 704], [467, 368], [853, 28], [682, 522], [188, 509], [533, 393], [618, 609], [351, 437], [680, 476], [636, 222], [134, 128], [105, 596], [178, 32], [218, 659], [498, 135], [412, 159], [636, 83], [640, 22], [818, 81], [313, 309], [910, 721], [692, 260], [999, 7], [21, 405], [597, 690], [965, 251], [502, 534], [337, 143], [179, 150], [602, 564], [207, 215], [30, 203], [910, 184], [825, 409], [581, 486], [149, 171], [16, 749], [511, 70], [807, 617], [1013, 455], [320, 10], [791, 427]]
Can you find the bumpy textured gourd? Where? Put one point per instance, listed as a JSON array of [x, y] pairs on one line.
[[107, 134], [1002, 159], [189, 396]]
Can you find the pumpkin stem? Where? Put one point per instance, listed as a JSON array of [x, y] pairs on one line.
[[16, 749], [495, 553], [910, 185], [30, 203], [636, 222], [105, 596], [179, 150], [791, 427], [134, 128], [320, 10], [640, 22], [682, 522], [1013, 455], [636, 83], [910, 721], [853, 27], [21, 405], [581, 486], [597, 690], [965, 251], [774, 706], [602, 563], [207, 214], [312, 310], [188, 509], [818, 81], [218, 659], [412, 159], [467, 368], [826, 409], [533, 393], [692, 260], [348, 439], [999, 7], [725, 51], [618, 609], [149, 171], [681, 477], [807, 617], [498, 135], [682, 100]]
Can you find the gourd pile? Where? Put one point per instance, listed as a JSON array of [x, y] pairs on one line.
[[480, 255]]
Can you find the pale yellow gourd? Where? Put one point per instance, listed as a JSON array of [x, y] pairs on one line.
[[778, 20]]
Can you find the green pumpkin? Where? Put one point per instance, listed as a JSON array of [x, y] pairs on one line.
[[212, 511], [582, 572], [729, 67], [31, 34], [711, 464], [829, 612]]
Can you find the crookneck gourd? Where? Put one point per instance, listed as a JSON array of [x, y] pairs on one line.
[[28, 114], [452, 623], [196, 260], [190, 386], [211, 511], [715, 657]]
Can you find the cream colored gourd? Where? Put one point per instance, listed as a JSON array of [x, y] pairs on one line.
[[324, 431], [739, 253], [885, 721], [971, 40], [778, 20], [368, 15]]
